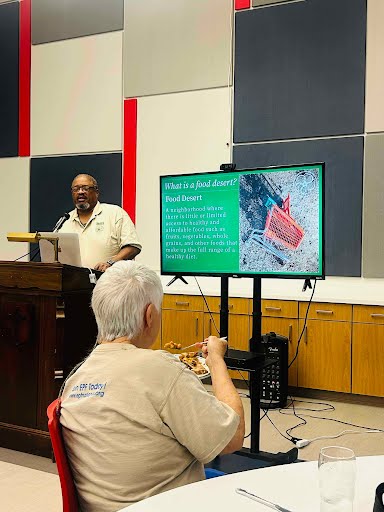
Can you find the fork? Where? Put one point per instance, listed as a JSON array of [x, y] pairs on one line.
[[204, 343]]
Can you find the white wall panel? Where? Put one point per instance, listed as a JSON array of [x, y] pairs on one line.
[[77, 95], [177, 133], [14, 205], [176, 46], [375, 67]]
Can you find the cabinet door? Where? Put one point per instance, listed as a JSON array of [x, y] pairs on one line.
[[367, 359], [236, 305], [238, 335], [280, 308], [286, 327], [238, 329], [325, 356], [183, 302], [185, 327]]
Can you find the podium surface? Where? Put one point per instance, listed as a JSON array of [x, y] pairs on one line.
[[46, 328]]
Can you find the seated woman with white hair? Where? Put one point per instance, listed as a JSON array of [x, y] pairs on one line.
[[137, 422]]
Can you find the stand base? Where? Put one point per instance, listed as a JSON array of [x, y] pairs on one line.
[[244, 460], [274, 459]]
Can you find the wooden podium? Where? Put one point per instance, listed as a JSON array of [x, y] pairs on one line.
[[46, 328]]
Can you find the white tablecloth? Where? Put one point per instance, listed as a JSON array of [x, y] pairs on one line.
[[294, 486]]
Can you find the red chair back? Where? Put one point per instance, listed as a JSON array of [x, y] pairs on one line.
[[68, 489]]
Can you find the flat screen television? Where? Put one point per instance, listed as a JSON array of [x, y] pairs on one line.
[[253, 222]]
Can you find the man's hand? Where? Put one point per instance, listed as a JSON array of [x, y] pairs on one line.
[[102, 266], [214, 349]]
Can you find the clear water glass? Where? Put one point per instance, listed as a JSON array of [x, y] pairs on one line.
[[337, 478]]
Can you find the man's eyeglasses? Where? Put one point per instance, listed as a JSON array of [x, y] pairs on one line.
[[77, 188]]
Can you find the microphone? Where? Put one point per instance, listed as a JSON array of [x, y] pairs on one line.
[[60, 222]]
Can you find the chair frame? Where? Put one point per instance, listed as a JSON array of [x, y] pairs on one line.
[[68, 488]]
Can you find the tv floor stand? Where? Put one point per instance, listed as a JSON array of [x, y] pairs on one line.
[[254, 364]]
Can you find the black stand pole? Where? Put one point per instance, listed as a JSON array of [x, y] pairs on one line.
[[224, 309], [254, 376], [254, 388], [255, 341]]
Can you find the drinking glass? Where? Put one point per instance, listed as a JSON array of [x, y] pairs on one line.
[[337, 477]]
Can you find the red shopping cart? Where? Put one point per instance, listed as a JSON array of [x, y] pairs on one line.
[[281, 227]]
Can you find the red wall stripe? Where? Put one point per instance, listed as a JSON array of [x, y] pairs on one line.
[[129, 157], [242, 4], [25, 79]]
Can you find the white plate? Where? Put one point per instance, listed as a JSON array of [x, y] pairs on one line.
[[202, 361]]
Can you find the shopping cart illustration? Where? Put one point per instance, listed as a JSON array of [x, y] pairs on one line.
[[281, 232]]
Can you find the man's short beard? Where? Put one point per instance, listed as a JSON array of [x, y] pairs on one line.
[[83, 206]]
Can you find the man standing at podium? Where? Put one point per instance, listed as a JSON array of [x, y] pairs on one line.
[[106, 232]]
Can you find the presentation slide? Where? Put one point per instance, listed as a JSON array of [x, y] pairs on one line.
[[265, 221]]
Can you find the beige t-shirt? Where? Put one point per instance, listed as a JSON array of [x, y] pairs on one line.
[[107, 231], [136, 423]]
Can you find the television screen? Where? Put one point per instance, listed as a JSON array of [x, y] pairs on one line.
[[266, 222]]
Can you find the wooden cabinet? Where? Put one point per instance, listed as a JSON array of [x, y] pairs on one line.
[[281, 317], [324, 360], [341, 347], [238, 325], [367, 350], [368, 315], [182, 319]]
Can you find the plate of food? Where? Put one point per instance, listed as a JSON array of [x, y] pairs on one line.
[[195, 363], [192, 360]]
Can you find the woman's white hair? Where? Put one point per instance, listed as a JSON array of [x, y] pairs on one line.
[[120, 298]]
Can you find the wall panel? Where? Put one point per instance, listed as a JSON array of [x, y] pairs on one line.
[[51, 180], [258, 3], [77, 95], [375, 67], [9, 79], [65, 19], [176, 46], [373, 235], [298, 75], [177, 133], [343, 159], [14, 205]]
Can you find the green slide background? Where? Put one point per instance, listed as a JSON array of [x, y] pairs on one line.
[[206, 226]]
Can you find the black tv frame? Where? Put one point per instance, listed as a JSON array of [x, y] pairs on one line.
[[308, 276]]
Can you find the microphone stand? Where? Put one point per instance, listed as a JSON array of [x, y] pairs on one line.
[[60, 222]]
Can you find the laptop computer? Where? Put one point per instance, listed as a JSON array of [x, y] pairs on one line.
[[69, 248]]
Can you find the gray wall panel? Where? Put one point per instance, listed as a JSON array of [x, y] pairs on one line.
[[373, 233], [176, 46], [300, 70], [54, 20], [9, 79], [258, 3], [343, 191], [51, 178]]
